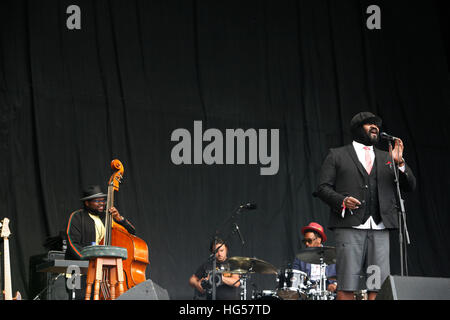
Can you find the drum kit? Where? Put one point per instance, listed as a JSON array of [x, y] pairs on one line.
[[291, 284]]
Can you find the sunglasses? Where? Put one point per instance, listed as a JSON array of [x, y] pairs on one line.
[[309, 241], [99, 201]]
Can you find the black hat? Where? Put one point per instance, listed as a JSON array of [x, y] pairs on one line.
[[93, 192], [363, 118]]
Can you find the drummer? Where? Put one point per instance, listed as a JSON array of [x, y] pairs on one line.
[[314, 236], [228, 288]]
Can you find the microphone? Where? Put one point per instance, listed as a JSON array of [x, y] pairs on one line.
[[248, 206], [236, 228], [386, 136]]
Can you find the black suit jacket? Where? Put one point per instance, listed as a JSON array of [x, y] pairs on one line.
[[342, 175]]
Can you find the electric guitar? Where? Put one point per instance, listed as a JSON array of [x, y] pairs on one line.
[[5, 233]]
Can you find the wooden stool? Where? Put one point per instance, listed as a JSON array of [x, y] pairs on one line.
[[108, 257]]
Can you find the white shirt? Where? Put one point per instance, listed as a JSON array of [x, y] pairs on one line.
[[361, 153]]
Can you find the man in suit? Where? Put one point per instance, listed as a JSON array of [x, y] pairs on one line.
[[357, 182]]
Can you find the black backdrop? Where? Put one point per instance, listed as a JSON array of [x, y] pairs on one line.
[[73, 100]]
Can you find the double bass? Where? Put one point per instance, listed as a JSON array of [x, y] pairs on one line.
[[116, 235]]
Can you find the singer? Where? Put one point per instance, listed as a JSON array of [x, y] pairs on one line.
[[357, 182]]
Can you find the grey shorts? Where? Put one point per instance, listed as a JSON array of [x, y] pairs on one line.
[[362, 259]]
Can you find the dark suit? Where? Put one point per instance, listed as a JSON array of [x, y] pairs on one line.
[[343, 175]]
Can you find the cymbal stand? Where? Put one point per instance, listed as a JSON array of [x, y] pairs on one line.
[[244, 287], [323, 280]]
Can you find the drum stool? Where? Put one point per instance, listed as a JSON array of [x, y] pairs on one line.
[[109, 257]]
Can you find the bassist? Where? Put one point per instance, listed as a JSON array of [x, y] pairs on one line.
[[87, 226]]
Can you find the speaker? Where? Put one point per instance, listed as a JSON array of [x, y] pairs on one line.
[[147, 290], [414, 288], [47, 285]]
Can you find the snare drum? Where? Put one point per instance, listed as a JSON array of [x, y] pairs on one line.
[[291, 284]]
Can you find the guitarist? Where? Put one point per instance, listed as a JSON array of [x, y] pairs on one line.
[[86, 226]]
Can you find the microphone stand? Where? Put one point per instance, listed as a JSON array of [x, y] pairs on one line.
[[213, 254], [401, 215], [213, 257]]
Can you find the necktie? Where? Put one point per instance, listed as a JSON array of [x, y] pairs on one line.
[[369, 163]]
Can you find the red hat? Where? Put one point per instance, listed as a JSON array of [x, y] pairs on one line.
[[313, 226]]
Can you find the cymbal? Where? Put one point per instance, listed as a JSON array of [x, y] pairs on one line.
[[227, 271], [243, 265], [314, 254]]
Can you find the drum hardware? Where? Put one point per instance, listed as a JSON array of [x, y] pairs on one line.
[[244, 266], [361, 295], [289, 287], [322, 281], [265, 295], [244, 286], [322, 256], [318, 255], [291, 284], [314, 292]]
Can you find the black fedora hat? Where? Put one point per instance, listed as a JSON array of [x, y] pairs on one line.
[[93, 192], [363, 118]]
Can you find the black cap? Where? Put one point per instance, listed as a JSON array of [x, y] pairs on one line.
[[93, 192], [363, 118]]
